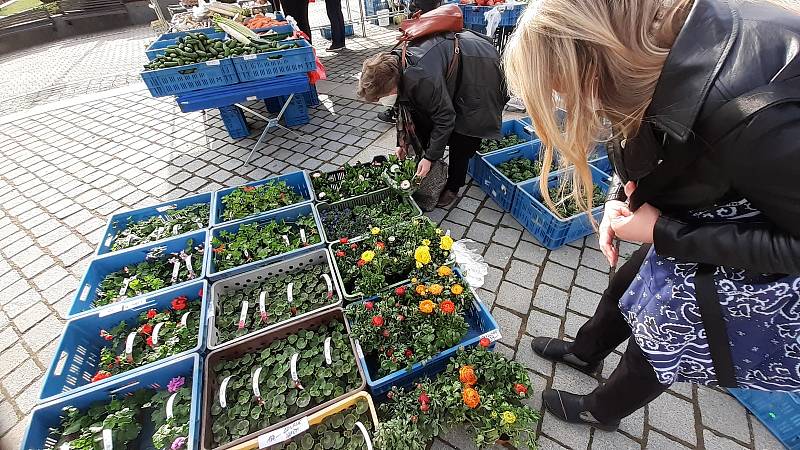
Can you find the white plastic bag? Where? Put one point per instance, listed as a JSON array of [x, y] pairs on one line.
[[200, 11], [493, 17], [473, 267]]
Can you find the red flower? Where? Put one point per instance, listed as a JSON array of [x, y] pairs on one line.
[[385, 333], [340, 253], [424, 407], [377, 321], [521, 389], [353, 246], [361, 263], [100, 375], [147, 328], [380, 245], [219, 249], [179, 303], [150, 341], [408, 353], [401, 317], [485, 342], [105, 335], [423, 398], [389, 353], [401, 291], [343, 240], [248, 188], [447, 307], [369, 306], [151, 313]]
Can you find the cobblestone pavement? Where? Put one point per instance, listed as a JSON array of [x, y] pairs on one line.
[[66, 166]]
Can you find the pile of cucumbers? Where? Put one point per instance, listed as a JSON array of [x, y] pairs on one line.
[[197, 47]]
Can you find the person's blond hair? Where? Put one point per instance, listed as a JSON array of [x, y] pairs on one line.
[[380, 74], [601, 60]]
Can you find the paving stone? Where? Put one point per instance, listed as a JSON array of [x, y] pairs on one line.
[[572, 324], [609, 364], [20, 302], [496, 255], [545, 443], [8, 418], [634, 424], [594, 259], [504, 349], [764, 439], [507, 236], [20, 377], [522, 273], [509, 324], [480, 232], [684, 389], [514, 297], [550, 299], [603, 440], [50, 277], [11, 358], [714, 442], [544, 325], [657, 441], [592, 279], [583, 301], [530, 252], [30, 317], [723, 413], [531, 360], [438, 444], [566, 256], [574, 436], [557, 275], [44, 332], [673, 416], [7, 338], [489, 216], [492, 279]]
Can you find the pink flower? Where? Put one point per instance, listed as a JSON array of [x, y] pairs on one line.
[[175, 384]]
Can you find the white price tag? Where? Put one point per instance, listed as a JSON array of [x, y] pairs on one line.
[[134, 304], [364, 431], [493, 335], [252, 98], [167, 208], [213, 62], [170, 404], [156, 329], [328, 282], [286, 240], [359, 352], [303, 238], [290, 293], [222, 387], [184, 318], [283, 434], [211, 310], [249, 57], [109, 311], [256, 389], [243, 314], [129, 346], [327, 351], [108, 440], [262, 309], [293, 368]]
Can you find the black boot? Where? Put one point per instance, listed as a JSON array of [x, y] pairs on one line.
[[388, 116], [572, 408], [559, 351]]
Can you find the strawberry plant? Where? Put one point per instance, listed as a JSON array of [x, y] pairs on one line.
[[567, 207], [338, 431], [256, 241], [520, 169], [356, 180], [284, 379], [412, 323], [155, 336], [341, 221], [246, 201], [309, 290], [170, 223], [158, 270], [490, 145]]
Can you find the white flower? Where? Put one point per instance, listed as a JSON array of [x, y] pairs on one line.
[[391, 238], [394, 169], [321, 195], [316, 174], [361, 178], [405, 185]]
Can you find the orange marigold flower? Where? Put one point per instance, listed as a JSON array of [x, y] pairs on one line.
[[421, 289], [471, 397], [466, 375], [447, 307], [457, 289], [444, 271], [427, 306], [436, 289]]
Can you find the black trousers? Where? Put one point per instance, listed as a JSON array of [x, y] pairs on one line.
[[298, 9], [633, 383], [335, 16], [462, 148]]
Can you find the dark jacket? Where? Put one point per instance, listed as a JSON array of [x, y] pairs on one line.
[[726, 49], [471, 103]]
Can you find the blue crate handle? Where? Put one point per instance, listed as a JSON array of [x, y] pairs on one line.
[[188, 71]]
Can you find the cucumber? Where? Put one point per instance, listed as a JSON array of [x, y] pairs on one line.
[[171, 64], [201, 53], [213, 51]]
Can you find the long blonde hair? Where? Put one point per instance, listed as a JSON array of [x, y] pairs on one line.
[[603, 59]]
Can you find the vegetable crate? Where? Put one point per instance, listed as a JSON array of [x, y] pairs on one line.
[[604, 165], [48, 415], [318, 257], [255, 344], [286, 214], [778, 411], [279, 29], [477, 168], [326, 31], [510, 14], [481, 324], [365, 199], [275, 63], [234, 121], [119, 221], [77, 357], [495, 183], [102, 266], [544, 225], [156, 49], [298, 181], [316, 419], [190, 77]]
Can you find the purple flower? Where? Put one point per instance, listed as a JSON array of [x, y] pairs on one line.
[[175, 384], [178, 443]]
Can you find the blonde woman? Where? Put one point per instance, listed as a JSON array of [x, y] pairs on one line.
[[703, 98]]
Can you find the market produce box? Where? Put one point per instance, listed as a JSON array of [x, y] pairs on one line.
[[146, 270], [251, 243], [172, 387], [259, 197], [264, 299], [514, 133], [604, 165], [190, 77], [474, 14], [292, 371], [105, 345], [553, 231], [144, 226], [156, 49], [291, 56]]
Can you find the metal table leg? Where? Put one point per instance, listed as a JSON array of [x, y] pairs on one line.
[[271, 123]]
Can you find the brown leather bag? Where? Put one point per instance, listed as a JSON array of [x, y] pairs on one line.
[[446, 18]]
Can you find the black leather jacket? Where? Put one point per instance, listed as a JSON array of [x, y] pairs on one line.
[[726, 48]]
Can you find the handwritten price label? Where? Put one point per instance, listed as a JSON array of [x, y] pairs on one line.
[[493, 335], [283, 434]]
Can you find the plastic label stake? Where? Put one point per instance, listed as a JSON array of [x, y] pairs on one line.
[[329, 282], [327, 351], [176, 268], [129, 346], [256, 389], [261, 306], [243, 314], [108, 440], [188, 261], [364, 431], [184, 318], [286, 240], [303, 236], [156, 329], [293, 370], [170, 404], [290, 293], [283, 434], [222, 401]]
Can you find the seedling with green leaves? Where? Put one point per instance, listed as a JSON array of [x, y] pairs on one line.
[[246, 201], [520, 169], [338, 431], [169, 223]]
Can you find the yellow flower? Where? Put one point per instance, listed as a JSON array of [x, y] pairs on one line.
[[375, 230], [439, 231], [368, 255], [457, 289], [436, 289], [494, 414], [446, 243], [421, 290], [509, 417], [444, 271], [414, 280], [423, 255], [426, 242], [426, 306]]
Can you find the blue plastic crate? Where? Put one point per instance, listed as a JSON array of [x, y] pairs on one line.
[[510, 14], [276, 63], [296, 113], [234, 121], [291, 213], [603, 164], [156, 49], [778, 411], [544, 225], [326, 31], [497, 185], [280, 29], [101, 266], [477, 167], [156, 377], [191, 77], [312, 96], [481, 324], [119, 221], [298, 181], [77, 356]]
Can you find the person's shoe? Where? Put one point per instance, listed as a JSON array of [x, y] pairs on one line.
[[446, 198], [388, 116], [333, 48], [572, 408], [558, 351]]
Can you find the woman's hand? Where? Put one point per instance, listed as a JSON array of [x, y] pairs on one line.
[[613, 211], [639, 226], [423, 168]]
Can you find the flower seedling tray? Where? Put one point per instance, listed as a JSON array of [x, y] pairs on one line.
[[495, 183], [365, 199], [119, 221], [256, 343], [551, 230], [77, 357], [101, 266], [481, 324], [256, 277], [190, 77], [336, 176], [302, 424], [355, 296], [298, 181], [286, 214], [477, 167], [48, 415], [275, 63]]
